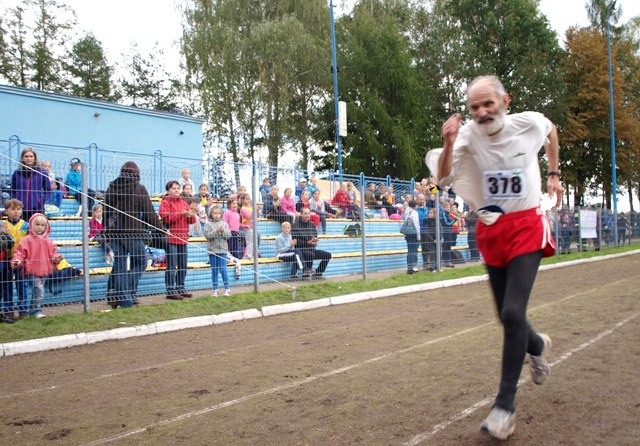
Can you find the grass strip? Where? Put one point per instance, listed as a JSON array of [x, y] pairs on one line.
[[31, 328]]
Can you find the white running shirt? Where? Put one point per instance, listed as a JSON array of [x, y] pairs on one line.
[[499, 170]]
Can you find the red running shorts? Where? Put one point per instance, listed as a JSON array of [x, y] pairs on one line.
[[515, 234]]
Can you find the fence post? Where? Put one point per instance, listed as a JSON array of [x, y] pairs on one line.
[[254, 205], [615, 226], [576, 215], [14, 141], [363, 236], [599, 228], [85, 240], [157, 170], [438, 234], [556, 228], [97, 182]]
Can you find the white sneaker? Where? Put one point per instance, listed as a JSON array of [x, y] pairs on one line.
[[538, 364], [227, 293], [40, 315], [215, 293], [500, 423]]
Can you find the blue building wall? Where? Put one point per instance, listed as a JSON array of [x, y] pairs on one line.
[[37, 116]]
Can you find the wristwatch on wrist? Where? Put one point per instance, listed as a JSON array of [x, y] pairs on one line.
[[553, 172]]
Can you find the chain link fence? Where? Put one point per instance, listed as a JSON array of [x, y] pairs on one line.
[[116, 243]]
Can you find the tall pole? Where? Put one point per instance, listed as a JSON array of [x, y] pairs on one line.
[[334, 69], [613, 130]]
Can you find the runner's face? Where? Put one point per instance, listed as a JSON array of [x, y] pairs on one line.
[[487, 108]]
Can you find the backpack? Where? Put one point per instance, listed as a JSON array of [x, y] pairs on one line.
[[6, 242], [353, 230]]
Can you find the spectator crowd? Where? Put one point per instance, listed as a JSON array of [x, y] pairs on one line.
[[125, 224]]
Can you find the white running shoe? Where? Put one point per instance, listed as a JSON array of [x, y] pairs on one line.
[[500, 423], [215, 293], [538, 364], [227, 293], [40, 315]]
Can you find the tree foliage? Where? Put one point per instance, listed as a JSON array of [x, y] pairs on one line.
[[248, 63], [149, 84], [89, 69], [49, 32], [33, 37], [587, 162]]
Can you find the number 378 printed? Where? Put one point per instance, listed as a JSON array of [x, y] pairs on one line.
[[503, 184]]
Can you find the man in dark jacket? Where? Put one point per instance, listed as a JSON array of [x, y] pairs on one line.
[[128, 216], [306, 236]]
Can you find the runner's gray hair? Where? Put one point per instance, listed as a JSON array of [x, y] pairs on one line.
[[492, 80]]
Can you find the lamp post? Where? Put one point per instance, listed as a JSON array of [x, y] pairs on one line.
[[613, 130], [334, 69]]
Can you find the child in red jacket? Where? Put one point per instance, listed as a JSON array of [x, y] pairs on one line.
[[36, 254]]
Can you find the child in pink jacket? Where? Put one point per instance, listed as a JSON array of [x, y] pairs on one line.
[[36, 254]]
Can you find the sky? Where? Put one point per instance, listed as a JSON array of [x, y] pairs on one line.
[[118, 23]]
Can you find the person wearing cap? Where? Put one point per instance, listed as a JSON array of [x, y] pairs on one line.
[[74, 184], [312, 186], [301, 187]]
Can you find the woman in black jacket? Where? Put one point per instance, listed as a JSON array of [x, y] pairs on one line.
[[128, 217]]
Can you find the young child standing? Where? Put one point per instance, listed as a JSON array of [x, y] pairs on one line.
[[17, 228], [232, 218], [286, 249], [217, 233], [36, 255], [246, 225]]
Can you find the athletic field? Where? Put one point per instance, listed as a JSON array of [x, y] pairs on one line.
[[416, 369]]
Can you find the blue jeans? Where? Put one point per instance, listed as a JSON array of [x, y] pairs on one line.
[[6, 287], [176, 269], [218, 264], [23, 295], [55, 198], [125, 283], [37, 294], [412, 250]]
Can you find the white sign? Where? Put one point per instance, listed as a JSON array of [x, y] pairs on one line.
[[588, 223], [342, 123]]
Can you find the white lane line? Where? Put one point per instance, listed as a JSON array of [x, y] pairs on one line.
[[424, 436], [183, 360], [284, 387]]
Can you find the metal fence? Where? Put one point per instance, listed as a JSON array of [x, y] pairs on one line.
[[364, 242]]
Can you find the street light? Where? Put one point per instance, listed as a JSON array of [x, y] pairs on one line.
[[613, 130]]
